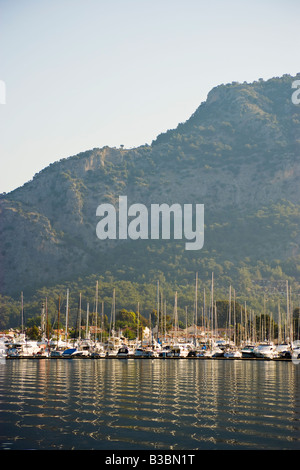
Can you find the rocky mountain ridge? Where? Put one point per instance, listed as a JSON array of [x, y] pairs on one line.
[[238, 155]]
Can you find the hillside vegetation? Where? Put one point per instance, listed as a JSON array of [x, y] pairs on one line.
[[238, 154]]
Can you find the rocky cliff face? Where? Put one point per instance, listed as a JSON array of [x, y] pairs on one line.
[[238, 154]]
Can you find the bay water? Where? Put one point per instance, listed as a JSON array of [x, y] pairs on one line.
[[149, 404]]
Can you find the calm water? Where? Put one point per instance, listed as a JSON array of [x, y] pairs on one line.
[[149, 404]]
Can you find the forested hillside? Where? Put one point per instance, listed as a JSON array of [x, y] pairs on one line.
[[238, 154]]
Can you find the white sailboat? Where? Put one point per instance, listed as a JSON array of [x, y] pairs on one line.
[[114, 342], [23, 348], [296, 352], [284, 350], [3, 350]]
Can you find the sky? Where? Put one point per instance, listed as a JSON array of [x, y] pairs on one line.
[[80, 74]]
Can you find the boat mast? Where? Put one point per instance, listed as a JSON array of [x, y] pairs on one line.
[[204, 315], [138, 323], [58, 315], [112, 314], [162, 318], [22, 313], [43, 320], [96, 313], [229, 319], [216, 321], [253, 328], [114, 311], [102, 321], [212, 307], [175, 316], [79, 321], [196, 307], [87, 321], [157, 299], [186, 323], [234, 319], [291, 316], [47, 323], [165, 319], [67, 313], [246, 322]]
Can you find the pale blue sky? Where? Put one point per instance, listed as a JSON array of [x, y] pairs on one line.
[[81, 74]]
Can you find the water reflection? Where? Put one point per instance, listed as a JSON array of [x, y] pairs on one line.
[[149, 404]]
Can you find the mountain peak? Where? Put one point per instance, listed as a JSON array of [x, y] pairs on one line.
[[238, 154]]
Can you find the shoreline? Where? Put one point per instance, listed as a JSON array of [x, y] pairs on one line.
[[193, 358]]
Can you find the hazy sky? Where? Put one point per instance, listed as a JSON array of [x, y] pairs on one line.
[[81, 74]]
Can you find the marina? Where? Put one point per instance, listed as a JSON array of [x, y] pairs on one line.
[[36, 351], [149, 223], [189, 385], [249, 337]]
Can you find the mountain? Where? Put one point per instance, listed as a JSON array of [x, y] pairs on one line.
[[238, 154]]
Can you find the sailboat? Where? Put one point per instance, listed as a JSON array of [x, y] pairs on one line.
[[232, 351], [3, 350], [296, 352], [216, 350], [59, 346], [114, 343]]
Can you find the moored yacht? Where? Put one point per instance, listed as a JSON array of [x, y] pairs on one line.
[[97, 351], [296, 352], [3, 350], [56, 352], [20, 348], [113, 345], [217, 352], [233, 353], [144, 352], [124, 351], [69, 352], [174, 350], [266, 350], [284, 350], [248, 351], [139, 352]]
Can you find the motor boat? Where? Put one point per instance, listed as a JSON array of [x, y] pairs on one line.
[[139, 352], [144, 352], [266, 350], [23, 349], [233, 353], [248, 351], [81, 353], [56, 353], [69, 352], [296, 352], [217, 352], [3, 350], [205, 353], [296, 355], [97, 351], [170, 351], [113, 345], [124, 351], [193, 353], [284, 350]]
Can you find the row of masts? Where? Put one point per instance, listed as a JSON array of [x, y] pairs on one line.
[[242, 330], [239, 330]]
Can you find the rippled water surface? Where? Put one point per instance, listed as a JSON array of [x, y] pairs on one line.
[[115, 404]]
